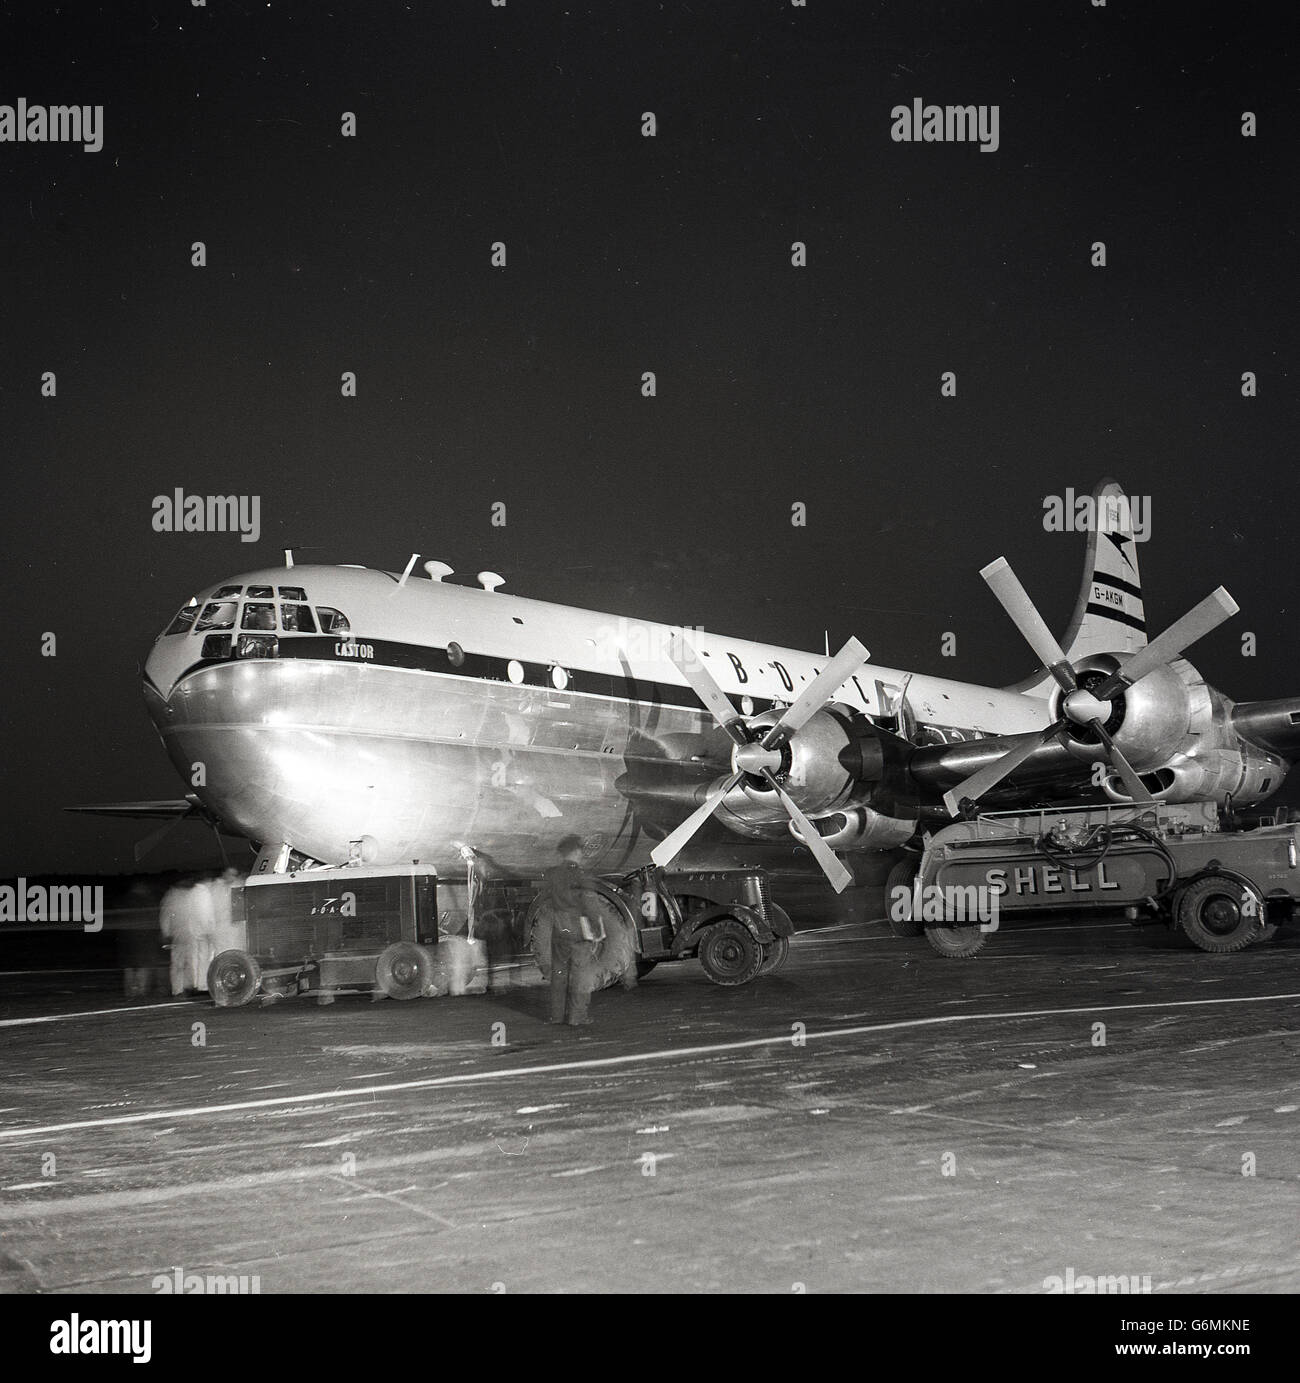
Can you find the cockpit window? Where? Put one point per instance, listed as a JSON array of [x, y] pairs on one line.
[[223, 591], [332, 621], [261, 593], [184, 621], [218, 614], [296, 619], [257, 616], [292, 593]]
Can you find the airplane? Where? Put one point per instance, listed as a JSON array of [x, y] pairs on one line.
[[337, 713]]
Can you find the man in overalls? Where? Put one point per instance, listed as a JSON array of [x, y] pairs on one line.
[[576, 929]]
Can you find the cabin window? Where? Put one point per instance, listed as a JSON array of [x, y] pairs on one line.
[[223, 592], [258, 616], [455, 655], [257, 646], [296, 619], [216, 646], [183, 621], [292, 593], [332, 621], [261, 593], [218, 614]]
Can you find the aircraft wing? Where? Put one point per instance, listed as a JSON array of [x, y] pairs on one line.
[[166, 809]]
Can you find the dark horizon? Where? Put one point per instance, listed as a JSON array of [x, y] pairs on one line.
[[775, 384]]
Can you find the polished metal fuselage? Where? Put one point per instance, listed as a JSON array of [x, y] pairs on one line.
[[560, 721]]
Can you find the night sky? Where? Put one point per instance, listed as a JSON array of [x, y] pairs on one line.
[[625, 254]]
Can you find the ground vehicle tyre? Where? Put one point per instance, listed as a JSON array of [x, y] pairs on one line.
[[901, 876], [403, 970], [233, 978], [775, 955], [729, 953], [957, 943], [1214, 914]]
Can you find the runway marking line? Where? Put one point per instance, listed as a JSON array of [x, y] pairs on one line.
[[92, 1013], [600, 1063]]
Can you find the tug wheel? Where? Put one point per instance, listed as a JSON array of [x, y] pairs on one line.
[[729, 953], [901, 876], [1220, 915], [957, 943], [233, 978], [403, 970], [775, 955]]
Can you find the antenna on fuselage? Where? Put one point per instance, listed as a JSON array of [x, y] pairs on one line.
[[288, 557], [489, 580], [437, 570], [415, 557]]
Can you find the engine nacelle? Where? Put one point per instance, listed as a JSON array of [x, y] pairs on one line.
[[1214, 764], [1150, 721], [860, 828], [832, 761]]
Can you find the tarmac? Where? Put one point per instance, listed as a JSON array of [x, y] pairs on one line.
[[1085, 1102]]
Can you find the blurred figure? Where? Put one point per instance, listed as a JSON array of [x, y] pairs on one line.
[[185, 919], [227, 934], [576, 928]]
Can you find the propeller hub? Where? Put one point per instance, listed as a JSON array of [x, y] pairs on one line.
[[1083, 708], [753, 759]]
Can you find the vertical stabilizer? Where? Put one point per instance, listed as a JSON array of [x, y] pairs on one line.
[[1108, 615]]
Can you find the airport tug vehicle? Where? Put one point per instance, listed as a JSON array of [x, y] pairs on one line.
[[725, 918], [349, 930], [1221, 886]]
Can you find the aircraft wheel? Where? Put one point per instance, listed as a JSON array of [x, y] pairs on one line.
[[957, 943], [403, 970], [729, 953], [775, 956], [901, 876], [233, 978], [1220, 915]]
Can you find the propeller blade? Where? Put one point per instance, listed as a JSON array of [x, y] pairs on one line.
[[817, 693], [1136, 788], [155, 837], [1183, 633], [672, 845], [691, 666], [1014, 599], [839, 877], [980, 782]]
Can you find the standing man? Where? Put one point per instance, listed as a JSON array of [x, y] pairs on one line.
[[576, 929]]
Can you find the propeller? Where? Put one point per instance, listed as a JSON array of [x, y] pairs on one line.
[[761, 758], [1087, 708]]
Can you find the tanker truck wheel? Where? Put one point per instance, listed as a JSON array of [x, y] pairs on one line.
[[902, 876], [957, 943], [1219, 914]]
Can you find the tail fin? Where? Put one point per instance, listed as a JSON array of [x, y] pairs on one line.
[[1108, 615]]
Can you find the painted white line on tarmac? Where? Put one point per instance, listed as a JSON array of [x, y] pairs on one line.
[[92, 1013], [606, 1062]]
